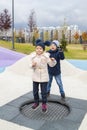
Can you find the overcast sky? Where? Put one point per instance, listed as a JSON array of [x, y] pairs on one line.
[[49, 12]]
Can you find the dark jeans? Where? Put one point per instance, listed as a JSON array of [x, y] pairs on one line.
[[43, 87]]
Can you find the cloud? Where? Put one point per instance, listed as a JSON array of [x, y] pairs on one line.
[[48, 12]]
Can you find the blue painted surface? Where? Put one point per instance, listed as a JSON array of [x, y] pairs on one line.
[[81, 64], [1, 70]]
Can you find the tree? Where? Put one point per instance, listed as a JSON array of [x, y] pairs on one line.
[[84, 36], [5, 20], [1, 20], [20, 37], [31, 23], [46, 35], [84, 39], [35, 35], [63, 43], [76, 36], [55, 35]]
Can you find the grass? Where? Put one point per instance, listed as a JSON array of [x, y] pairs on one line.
[[75, 51], [19, 47]]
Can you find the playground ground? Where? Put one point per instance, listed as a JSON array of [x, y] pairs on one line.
[[16, 88]]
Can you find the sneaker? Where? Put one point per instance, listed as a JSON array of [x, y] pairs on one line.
[[44, 107], [35, 105], [63, 95], [48, 93]]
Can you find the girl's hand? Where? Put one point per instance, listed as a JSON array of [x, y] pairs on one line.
[[34, 64], [52, 59]]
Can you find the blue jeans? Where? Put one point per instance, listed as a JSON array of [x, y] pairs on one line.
[[58, 81]]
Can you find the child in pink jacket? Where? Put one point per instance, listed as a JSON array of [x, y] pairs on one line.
[[39, 61]]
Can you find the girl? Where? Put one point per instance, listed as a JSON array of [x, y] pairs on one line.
[[39, 60]]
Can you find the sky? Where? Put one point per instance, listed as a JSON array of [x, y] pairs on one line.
[[48, 12]]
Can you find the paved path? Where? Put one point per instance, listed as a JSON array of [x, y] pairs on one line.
[[8, 57], [16, 88]]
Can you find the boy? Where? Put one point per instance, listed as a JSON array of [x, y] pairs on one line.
[[55, 71]]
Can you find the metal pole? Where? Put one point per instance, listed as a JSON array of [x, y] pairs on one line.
[[13, 24]]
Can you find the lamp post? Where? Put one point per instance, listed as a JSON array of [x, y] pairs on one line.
[[13, 25]]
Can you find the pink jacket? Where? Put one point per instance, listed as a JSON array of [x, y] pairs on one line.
[[40, 72]]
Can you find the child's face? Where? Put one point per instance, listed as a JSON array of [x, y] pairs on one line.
[[39, 50], [53, 47]]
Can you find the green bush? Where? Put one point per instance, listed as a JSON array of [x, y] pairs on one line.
[[63, 43]]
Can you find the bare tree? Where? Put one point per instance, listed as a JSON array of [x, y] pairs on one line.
[[5, 20], [31, 23]]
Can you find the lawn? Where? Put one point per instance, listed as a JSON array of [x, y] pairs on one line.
[[75, 51]]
